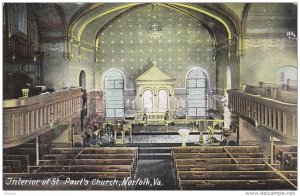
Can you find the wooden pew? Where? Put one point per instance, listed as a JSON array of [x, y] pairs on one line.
[[228, 167], [81, 168], [221, 161], [282, 152], [15, 165], [216, 155], [83, 163], [102, 150], [291, 162], [89, 156], [24, 160], [88, 161], [6, 169], [124, 152], [74, 150], [217, 149], [224, 167], [30, 152]]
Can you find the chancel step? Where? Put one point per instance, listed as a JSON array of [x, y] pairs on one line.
[[154, 156], [154, 150]]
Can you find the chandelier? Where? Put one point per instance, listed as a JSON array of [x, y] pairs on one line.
[[291, 35]]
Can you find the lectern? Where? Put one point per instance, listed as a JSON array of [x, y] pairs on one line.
[[119, 132]]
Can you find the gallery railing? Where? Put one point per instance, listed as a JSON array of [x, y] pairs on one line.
[[280, 117], [27, 118]]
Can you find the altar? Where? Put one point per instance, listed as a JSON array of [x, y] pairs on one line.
[[155, 96]]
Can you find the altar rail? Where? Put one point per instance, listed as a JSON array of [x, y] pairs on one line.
[[26, 118], [277, 116]]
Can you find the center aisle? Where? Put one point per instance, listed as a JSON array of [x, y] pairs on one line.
[[155, 169]]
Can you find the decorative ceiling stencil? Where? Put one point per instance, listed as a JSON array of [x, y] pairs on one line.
[[176, 41]]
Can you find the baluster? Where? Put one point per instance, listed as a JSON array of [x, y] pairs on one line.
[[294, 124], [21, 123], [258, 113], [41, 117], [28, 122], [289, 123], [284, 122], [266, 115], [48, 114], [12, 121], [68, 107], [275, 119], [45, 116], [239, 104], [250, 109], [270, 122], [72, 106], [244, 107], [279, 113], [37, 118], [63, 106]]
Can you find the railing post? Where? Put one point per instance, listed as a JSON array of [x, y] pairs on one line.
[[37, 151], [272, 150]]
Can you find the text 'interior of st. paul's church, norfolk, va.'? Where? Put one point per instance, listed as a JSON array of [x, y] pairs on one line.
[[149, 96]]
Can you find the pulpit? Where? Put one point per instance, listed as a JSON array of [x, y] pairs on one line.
[[119, 132]]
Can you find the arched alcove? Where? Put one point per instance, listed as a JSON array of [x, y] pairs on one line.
[[82, 79]]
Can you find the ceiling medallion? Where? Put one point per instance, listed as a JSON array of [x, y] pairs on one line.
[[154, 30]]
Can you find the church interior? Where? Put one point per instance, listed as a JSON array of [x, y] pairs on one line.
[[150, 96]]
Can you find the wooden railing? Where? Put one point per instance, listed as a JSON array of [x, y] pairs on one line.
[[280, 117], [26, 118]]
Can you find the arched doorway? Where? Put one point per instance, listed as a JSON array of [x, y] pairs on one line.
[[196, 84], [114, 94], [82, 79]]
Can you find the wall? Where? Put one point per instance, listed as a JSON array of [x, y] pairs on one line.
[[61, 72], [182, 43], [264, 57], [267, 46]]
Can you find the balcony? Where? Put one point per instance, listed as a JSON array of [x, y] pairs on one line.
[[27, 118], [276, 116]]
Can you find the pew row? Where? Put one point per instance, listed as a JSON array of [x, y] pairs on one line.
[[228, 168], [76, 164]]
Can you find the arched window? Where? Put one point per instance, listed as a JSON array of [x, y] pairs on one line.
[[148, 101], [163, 102], [196, 93], [114, 94], [287, 75], [82, 79]]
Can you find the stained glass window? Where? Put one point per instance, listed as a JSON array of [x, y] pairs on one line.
[[196, 94], [114, 94]]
